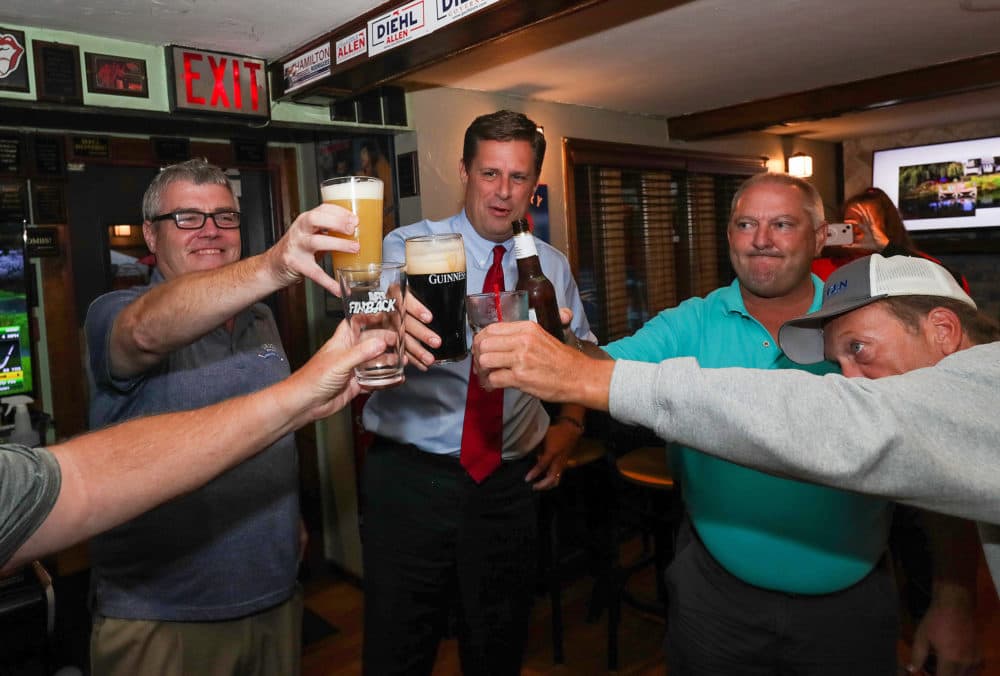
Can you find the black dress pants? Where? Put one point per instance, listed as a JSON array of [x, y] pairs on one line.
[[719, 625], [433, 539]]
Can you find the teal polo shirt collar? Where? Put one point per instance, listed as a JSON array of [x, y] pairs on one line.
[[730, 301], [731, 298]]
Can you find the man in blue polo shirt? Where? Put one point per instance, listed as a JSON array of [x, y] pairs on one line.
[[207, 579]]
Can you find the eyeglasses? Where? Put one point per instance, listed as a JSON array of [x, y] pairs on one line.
[[189, 219]]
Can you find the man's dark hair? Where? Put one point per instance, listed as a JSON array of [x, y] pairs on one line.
[[503, 125], [910, 310]]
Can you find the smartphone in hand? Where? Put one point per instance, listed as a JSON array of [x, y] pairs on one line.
[[839, 234]]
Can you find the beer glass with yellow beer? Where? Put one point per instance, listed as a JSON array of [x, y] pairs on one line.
[[363, 196]]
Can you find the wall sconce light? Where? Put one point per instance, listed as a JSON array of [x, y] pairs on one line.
[[540, 129], [800, 165], [121, 230], [774, 166]]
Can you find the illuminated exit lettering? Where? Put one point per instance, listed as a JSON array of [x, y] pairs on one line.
[[224, 83]]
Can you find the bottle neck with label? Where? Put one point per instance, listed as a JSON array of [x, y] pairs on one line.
[[525, 251], [542, 301]]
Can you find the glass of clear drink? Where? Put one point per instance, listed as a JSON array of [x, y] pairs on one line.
[[373, 305], [504, 306]]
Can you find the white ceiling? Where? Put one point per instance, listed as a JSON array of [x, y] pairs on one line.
[[653, 57]]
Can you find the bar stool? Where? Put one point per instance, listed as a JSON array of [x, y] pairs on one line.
[[27, 617], [647, 470], [555, 508]]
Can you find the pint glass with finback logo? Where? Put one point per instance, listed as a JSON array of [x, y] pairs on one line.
[[373, 305]]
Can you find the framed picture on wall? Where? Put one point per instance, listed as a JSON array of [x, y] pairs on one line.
[[13, 201], [57, 72], [117, 75], [13, 61]]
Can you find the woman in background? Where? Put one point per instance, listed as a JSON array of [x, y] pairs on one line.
[[878, 228]]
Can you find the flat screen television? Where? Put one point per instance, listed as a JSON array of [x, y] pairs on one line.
[[16, 345], [943, 187]]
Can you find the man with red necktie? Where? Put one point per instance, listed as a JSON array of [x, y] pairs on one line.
[[450, 484]]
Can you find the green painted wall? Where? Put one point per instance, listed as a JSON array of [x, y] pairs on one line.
[[156, 73]]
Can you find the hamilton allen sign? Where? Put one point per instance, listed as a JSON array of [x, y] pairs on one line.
[[213, 82]]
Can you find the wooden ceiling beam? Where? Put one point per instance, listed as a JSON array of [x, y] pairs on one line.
[[954, 77]]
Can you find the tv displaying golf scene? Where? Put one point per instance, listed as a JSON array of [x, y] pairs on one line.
[[943, 186], [15, 319]]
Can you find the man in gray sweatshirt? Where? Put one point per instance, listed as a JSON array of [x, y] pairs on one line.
[[926, 435]]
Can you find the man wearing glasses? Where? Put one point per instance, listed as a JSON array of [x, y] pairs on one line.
[[205, 583]]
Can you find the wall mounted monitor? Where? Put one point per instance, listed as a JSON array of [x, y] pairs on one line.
[[16, 345], [945, 186]]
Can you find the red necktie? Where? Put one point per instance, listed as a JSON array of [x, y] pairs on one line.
[[482, 429]]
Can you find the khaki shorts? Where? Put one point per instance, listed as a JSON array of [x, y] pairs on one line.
[[268, 643]]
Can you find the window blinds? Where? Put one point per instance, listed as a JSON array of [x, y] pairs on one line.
[[647, 239]]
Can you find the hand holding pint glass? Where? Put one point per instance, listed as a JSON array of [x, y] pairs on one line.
[[500, 306], [503, 306], [363, 196], [435, 270], [373, 298]]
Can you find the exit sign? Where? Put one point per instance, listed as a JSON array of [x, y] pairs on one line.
[[213, 82]]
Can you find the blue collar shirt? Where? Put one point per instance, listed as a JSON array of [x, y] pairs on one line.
[[428, 409]]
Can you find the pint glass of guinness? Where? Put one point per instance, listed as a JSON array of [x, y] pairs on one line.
[[435, 271]]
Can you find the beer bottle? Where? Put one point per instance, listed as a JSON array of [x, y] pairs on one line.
[[542, 304]]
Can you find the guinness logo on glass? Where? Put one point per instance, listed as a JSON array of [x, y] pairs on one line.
[[445, 277]]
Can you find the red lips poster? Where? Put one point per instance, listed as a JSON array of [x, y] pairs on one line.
[[13, 60]]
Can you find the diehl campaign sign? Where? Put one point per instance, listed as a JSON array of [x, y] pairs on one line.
[[398, 27], [449, 11]]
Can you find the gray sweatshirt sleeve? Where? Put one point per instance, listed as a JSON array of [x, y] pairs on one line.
[[929, 438]]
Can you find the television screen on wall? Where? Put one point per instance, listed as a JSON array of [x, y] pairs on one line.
[[16, 359], [945, 186]]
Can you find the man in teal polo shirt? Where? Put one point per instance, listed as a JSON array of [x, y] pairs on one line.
[[765, 552], [773, 575]]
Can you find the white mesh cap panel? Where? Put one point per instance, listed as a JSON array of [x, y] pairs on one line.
[[913, 276]]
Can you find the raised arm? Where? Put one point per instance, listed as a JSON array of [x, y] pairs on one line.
[[525, 356], [112, 475], [180, 311], [926, 438]]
